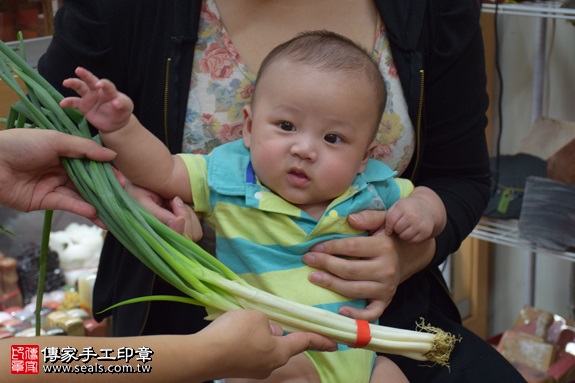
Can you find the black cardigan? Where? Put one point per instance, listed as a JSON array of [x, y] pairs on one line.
[[437, 48]]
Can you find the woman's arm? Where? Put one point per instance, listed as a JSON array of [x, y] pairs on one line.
[[455, 161], [238, 344]]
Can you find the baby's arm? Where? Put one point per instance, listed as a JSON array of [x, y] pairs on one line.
[[417, 217], [142, 158]]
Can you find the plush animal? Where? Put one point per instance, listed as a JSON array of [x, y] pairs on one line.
[[78, 248]]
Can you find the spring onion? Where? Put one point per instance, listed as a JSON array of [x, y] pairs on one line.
[[180, 261]]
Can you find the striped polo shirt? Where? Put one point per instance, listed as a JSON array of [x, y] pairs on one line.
[[262, 237]]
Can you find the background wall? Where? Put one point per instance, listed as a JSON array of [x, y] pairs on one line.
[[508, 265]]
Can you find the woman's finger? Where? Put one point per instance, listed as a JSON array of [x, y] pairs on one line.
[[370, 313], [369, 220], [151, 202], [188, 223]]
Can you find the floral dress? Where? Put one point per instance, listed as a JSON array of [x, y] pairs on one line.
[[222, 84]]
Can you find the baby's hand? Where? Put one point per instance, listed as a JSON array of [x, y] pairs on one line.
[[100, 102], [409, 220], [418, 217]]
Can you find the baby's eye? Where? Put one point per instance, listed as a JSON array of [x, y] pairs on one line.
[[332, 138], [287, 126]]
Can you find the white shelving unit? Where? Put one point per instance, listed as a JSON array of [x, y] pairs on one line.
[[546, 9], [506, 232]]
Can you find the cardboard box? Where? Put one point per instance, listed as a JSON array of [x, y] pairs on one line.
[[527, 349]]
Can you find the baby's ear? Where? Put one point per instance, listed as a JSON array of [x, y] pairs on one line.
[[247, 128], [367, 156]]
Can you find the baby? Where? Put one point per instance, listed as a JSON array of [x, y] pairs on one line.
[[302, 167]]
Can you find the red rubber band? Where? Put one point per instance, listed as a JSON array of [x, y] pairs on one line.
[[363, 334]]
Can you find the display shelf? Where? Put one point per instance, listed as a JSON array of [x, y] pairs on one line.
[[502, 232], [544, 9], [506, 232]]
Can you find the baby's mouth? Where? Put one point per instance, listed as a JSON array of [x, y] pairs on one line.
[[298, 176]]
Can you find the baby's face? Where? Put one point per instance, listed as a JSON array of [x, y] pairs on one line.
[[310, 131]]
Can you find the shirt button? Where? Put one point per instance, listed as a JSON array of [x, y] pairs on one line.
[[333, 214], [258, 195]]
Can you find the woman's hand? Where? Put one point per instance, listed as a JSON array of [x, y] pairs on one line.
[[175, 213], [380, 263], [243, 343], [32, 176]]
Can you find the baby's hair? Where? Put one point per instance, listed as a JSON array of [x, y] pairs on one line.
[[329, 51]]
